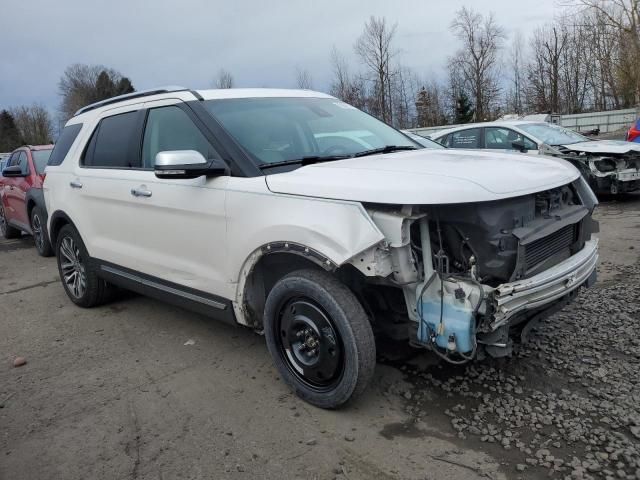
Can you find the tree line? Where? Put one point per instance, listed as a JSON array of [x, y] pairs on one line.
[[80, 85], [585, 59]]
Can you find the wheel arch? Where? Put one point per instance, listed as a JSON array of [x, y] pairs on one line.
[[58, 220], [268, 264]]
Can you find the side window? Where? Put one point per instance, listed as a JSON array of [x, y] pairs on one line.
[[113, 143], [530, 144], [170, 128], [13, 159], [63, 145], [465, 138], [23, 162], [443, 140], [499, 138]]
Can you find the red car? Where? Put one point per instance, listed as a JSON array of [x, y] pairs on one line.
[[22, 207], [633, 135]]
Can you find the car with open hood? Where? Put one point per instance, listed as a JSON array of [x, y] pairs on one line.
[[610, 166], [303, 218]]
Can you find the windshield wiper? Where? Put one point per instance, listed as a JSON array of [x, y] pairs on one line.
[[385, 149], [304, 161]]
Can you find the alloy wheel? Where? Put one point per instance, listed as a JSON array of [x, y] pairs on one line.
[[3, 221], [38, 235], [309, 344], [72, 267]]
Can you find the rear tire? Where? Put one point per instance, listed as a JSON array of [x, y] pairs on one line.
[[7, 230], [78, 273], [319, 337], [40, 235]]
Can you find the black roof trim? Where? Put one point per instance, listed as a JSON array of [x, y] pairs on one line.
[[130, 96], [197, 95]]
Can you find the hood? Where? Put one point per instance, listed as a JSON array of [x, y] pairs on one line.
[[604, 146], [426, 177]]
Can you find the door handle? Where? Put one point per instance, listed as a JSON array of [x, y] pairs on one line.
[[141, 191], [75, 184]]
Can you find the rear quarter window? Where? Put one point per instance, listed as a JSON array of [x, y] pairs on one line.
[[465, 138], [63, 145]]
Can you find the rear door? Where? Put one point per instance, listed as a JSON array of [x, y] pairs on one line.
[[102, 184], [470, 138]]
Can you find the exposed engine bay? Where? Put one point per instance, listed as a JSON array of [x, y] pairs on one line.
[[465, 280], [606, 172]]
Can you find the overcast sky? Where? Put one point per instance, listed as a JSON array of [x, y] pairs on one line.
[[186, 42]]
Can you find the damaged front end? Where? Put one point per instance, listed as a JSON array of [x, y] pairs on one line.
[[466, 280], [607, 172]]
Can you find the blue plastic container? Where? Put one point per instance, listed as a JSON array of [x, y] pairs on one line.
[[458, 325]]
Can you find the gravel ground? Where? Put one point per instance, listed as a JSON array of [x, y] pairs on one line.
[[567, 405], [141, 390]]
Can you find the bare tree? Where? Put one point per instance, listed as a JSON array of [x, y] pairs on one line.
[[34, 124], [224, 80], [622, 16], [79, 86], [348, 88], [375, 49], [515, 93], [429, 103], [478, 58], [303, 79]]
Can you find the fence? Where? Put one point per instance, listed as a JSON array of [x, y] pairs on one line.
[[581, 122]]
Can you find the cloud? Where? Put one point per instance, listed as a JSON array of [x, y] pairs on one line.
[[186, 42]]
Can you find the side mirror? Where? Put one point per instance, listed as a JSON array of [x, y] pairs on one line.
[[14, 171], [183, 164], [519, 145]]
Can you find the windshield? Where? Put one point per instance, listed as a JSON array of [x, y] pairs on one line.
[[275, 130], [552, 134], [40, 159]]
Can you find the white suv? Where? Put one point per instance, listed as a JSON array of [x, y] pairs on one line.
[[297, 215]]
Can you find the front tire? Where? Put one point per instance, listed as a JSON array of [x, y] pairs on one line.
[[39, 230], [77, 272], [319, 337]]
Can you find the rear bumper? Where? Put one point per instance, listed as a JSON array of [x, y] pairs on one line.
[[544, 288]]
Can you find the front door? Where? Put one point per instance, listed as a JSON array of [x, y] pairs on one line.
[[180, 225]]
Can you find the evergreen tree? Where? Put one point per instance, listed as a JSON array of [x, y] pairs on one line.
[[9, 133], [464, 110]]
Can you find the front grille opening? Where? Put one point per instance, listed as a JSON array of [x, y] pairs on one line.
[[547, 247]]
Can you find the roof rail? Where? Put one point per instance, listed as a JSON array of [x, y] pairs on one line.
[[130, 96]]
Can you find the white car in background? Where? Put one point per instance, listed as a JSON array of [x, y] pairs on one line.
[[610, 166], [423, 141], [263, 208]]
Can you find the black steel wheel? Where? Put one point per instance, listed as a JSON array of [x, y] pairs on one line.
[[310, 344], [319, 337]]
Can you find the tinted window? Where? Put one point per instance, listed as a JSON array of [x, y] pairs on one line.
[[465, 139], [170, 128], [40, 158], [66, 139], [112, 144], [503, 138]]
